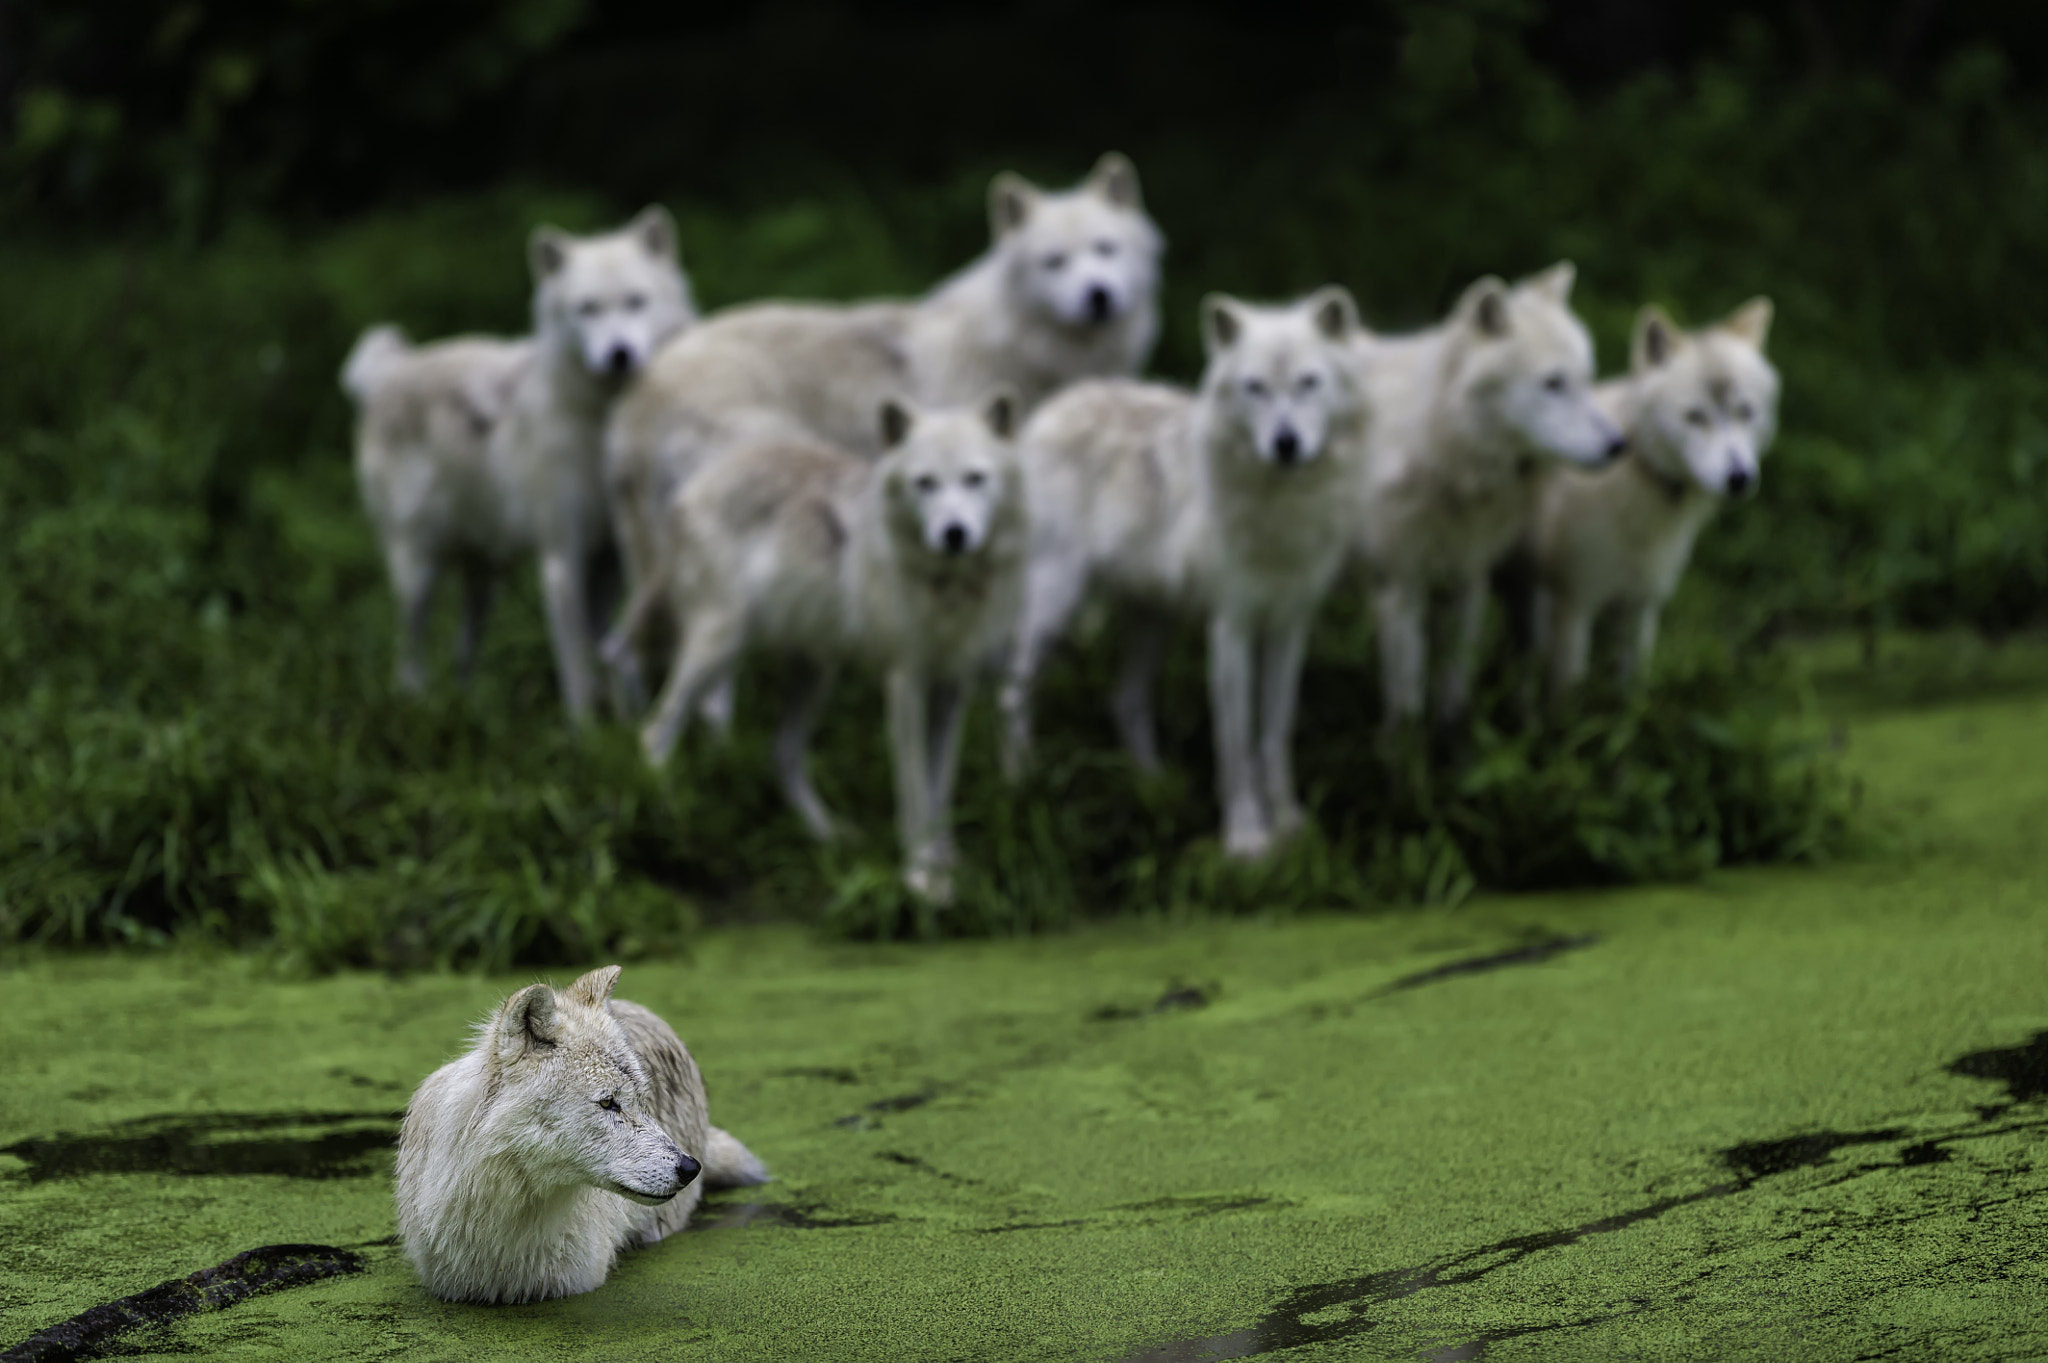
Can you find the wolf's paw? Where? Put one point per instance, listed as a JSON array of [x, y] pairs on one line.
[[1288, 821], [656, 746], [1246, 841], [933, 884]]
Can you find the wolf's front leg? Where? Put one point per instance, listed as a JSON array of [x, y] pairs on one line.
[[1400, 611], [1570, 645], [1285, 643], [1147, 631], [910, 751], [1245, 832], [1638, 643], [564, 592], [413, 573], [947, 715]]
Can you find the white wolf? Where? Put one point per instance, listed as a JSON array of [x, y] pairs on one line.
[[474, 451], [1239, 501], [1067, 290], [1699, 411], [574, 1128], [1468, 419], [914, 562]]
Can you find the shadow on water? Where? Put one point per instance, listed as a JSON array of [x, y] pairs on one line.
[[97, 1332], [787, 1215], [1533, 953], [315, 1145], [1320, 1313]]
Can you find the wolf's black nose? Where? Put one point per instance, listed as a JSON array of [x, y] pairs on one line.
[[1286, 445], [1099, 303], [1616, 448], [619, 362], [687, 1170], [1738, 481], [954, 538]]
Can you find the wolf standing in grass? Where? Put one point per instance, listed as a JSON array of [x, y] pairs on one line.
[[914, 563], [1700, 410], [1239, 502], [1469, 418], [474, 451], [574, 1128]]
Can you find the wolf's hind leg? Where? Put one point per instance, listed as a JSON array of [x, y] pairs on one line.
[[479, 588], [1147, 632], [708, 649], [413, 576], [810, 687]]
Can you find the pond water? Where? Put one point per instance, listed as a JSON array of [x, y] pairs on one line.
[[1789, 1113]]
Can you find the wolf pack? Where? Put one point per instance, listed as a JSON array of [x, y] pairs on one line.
[[933, 488]]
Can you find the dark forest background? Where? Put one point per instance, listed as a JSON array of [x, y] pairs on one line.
[[202, 203]]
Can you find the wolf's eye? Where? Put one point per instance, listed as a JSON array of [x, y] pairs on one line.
[[1255, 387], [1697, 416], [1743, 411], [975, 478], [926, 483], [1105, 248], [1556, 383], [1056, 261], [635, 302], [1308, 383], [590, 307], [608, 1103]]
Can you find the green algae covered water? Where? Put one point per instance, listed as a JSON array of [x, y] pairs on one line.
[[1777, 1114]]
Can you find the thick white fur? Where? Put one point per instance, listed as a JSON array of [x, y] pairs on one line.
[[1468, 418], [1699, 411], [1238, 502], [474, 451], [913, 563], [574, 1128], [1067, 290]]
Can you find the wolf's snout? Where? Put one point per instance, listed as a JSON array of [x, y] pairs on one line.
[[1286, 445], [1617, 447], [687, 1170], [1100, 304], [954, 538], [619, 362], [1739, 481]]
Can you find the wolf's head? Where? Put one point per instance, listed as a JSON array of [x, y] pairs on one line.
[[568, 1099], [1524, 370], [1705, 403], [1084, 258], [614, 298], [950, 476], [1281, 383]]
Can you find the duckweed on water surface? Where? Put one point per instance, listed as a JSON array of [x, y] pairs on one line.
[[1780, 1113]]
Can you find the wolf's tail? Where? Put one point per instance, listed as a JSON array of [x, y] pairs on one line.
[[371, 359], [728, 1164]]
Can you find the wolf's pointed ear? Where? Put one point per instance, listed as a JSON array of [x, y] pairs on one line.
[[1116, 179], [1011, 198], [655, 230], [1222, 322], [1334, 311], [594, 988], [1556, 282], [548, 250], [896, 423], [1001, 413], [1484, 306], [1751, 321], [1656, 340], [527, 1019]]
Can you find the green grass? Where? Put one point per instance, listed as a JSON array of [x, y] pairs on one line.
[[1573, 1147]]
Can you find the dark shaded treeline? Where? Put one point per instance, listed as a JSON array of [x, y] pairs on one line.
[[119, 111]]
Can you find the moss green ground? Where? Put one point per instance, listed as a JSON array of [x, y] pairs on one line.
[[1550, 1160]]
